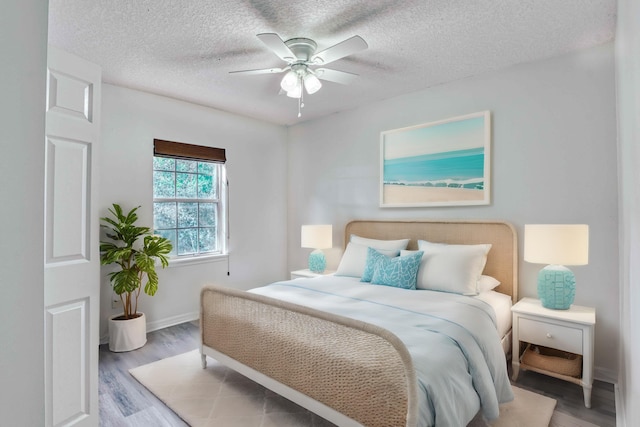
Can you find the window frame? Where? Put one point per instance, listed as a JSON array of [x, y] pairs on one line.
[[181, 151]]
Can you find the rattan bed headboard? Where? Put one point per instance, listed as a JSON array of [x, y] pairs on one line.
[[502, 261]]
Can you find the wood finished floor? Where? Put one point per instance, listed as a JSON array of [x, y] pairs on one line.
[[125, 402], [571, 399]]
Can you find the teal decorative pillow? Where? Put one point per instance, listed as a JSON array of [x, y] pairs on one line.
[[399, 272], [373, 256]]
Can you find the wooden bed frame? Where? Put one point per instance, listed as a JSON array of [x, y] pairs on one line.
[[293, 350]]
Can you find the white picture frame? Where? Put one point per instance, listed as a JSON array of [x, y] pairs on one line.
[[442, 163]]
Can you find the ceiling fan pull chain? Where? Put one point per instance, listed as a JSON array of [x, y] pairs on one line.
[[301, 99], [301, 91]]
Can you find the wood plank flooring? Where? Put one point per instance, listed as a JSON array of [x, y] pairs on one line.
[[125, 402], [571, 399]]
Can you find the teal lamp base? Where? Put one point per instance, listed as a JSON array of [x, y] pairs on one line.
[[556, 287], [317, 261]]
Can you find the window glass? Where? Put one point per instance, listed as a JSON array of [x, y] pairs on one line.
[[187, 206], [207, 215], [206, 187], [187, 215], [187, 241], [207, 238], [186, 166], [164, 184], [164, 215], [164, 164], [186, 187]]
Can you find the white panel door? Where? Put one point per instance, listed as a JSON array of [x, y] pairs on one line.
[[72, 259]]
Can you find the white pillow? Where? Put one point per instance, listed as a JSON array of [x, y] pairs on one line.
[[487, 283], [451, 268], [380, 244], [355, 258]]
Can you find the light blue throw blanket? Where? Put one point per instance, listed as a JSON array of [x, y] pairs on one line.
[[452, 340]]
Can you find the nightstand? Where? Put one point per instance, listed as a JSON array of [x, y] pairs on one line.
[[569, 330], [308, 273]]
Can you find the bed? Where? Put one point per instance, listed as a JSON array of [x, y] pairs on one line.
[[322, 342]]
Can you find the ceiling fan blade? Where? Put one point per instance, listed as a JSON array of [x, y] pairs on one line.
[[275, 43], [261, 71], [335, 76], [340, 50]]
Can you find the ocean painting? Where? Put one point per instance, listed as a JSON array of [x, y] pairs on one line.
[[437, 164]]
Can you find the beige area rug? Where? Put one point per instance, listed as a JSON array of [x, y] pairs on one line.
[[218, 396], [528, 409]]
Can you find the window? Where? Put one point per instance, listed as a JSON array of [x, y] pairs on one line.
[[189, 197]]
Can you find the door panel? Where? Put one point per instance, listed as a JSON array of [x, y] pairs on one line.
[[72, 261], [67, 344], [70, 95], [68, 222]]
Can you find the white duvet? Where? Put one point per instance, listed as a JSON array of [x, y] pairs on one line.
[[452, 339]]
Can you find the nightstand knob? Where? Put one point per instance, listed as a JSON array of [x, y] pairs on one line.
[[549, 335]]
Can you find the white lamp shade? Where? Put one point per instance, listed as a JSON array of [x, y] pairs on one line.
[[317, 236], [562, 244], [311, 83], [290, 81], [295, 92]]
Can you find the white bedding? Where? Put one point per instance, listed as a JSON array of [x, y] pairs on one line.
[[501, 304], [467, 370]]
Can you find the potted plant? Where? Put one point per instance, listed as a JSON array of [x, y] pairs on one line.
[[134, 250]]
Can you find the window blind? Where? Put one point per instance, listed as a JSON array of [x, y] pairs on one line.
[[188, 151]]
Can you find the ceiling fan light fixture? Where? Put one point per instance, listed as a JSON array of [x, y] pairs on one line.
[[300, 55], [311, 83], [290, 81], [296, 92]]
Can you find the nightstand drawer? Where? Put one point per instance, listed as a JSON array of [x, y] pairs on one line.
[[550, 335]]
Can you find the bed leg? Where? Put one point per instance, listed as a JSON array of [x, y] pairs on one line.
[[203, 359]]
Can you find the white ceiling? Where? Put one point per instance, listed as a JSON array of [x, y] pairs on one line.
[[185, 49]]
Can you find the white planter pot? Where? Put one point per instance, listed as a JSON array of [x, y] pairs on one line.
[[127, 335]]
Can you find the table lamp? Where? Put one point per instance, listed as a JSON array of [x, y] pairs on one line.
[[557, 245], [317, 237]]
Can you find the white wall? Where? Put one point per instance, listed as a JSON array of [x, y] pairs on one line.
[[256, 170], [628, 90], [553, 154], [22, 112]]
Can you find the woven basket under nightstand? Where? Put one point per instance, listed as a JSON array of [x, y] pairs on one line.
[[549, 359]]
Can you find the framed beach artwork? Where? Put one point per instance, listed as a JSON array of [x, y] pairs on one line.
[[444, 163]]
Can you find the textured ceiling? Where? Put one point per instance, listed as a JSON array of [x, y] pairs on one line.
[[185, 49]]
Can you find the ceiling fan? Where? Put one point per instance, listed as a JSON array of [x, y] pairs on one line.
[[300, 55]]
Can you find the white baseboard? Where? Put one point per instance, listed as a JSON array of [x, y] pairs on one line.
[[606, 375], [171, 321], [620, 413]]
